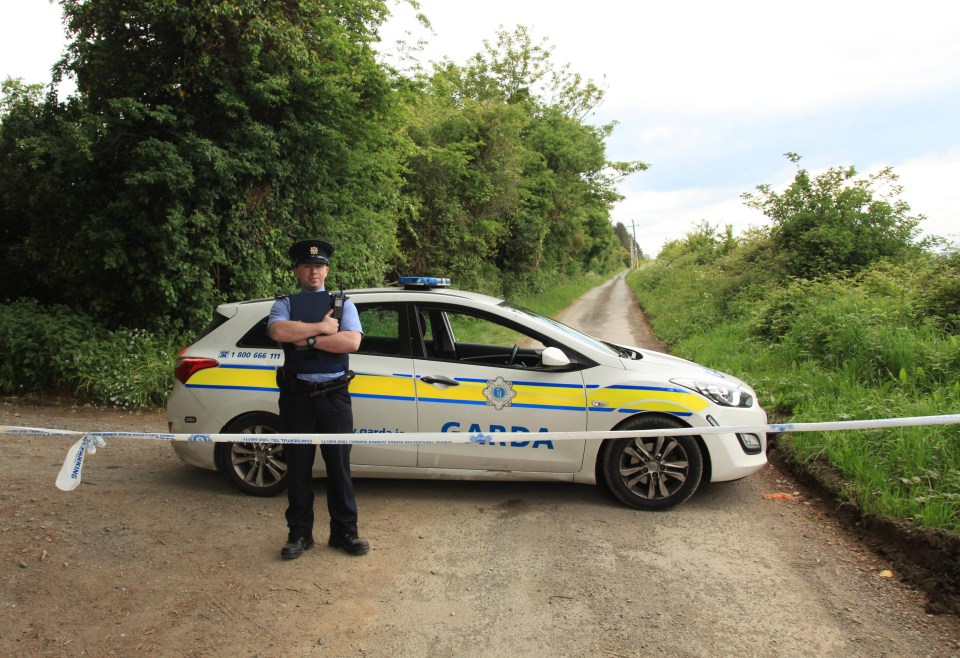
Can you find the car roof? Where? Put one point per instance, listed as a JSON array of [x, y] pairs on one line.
[[401, 294]]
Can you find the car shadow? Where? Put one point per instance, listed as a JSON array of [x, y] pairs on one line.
[[545, 494], [549, 494]]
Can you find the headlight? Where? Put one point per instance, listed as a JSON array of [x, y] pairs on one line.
[[723, 394]]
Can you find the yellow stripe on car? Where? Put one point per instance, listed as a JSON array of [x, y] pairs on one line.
[[234, 377]]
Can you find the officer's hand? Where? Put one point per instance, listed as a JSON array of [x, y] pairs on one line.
[[329, 325]]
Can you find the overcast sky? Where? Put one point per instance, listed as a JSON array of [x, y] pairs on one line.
[[710, 94]]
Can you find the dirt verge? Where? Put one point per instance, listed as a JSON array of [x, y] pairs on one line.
[[927, 558]]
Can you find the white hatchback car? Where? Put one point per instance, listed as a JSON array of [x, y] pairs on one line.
[[443, 360]]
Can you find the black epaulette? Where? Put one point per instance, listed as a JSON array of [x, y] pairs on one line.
[[281, 296]]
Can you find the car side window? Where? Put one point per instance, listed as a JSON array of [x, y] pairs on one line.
[[424, 326], [481, 340], [473, 329], [381, 329]]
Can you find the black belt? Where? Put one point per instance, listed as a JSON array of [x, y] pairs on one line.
[[319, 389]]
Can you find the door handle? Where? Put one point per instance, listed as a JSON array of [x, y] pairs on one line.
[[442, 381]]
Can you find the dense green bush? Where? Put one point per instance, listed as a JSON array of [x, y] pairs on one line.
[[127, 368], [926, 287], [56, 350], [39, 345], [711, 273], [878, 325], [837, 221], [200, 142], [831, 313]]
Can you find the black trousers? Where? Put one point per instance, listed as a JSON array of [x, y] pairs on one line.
[[330, 414]]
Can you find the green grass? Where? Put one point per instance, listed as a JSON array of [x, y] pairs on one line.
[[555, 298], [841, 357], [549, 302]]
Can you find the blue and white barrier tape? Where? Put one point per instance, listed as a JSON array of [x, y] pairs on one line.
[[69, 476]]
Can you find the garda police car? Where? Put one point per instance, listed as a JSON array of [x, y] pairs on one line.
[[435, 359]]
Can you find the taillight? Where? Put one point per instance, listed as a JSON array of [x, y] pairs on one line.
[[188, 365]]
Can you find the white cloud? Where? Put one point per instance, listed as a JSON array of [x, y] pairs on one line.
[[696, 56], [658, 217], [31, 39], [930, 186], [659, 133]]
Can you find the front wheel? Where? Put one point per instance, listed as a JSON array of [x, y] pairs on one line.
[[652, 473], [255, 468]]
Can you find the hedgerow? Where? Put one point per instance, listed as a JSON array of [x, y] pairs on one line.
[[54, 349]]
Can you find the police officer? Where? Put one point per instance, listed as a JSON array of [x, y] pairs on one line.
[[314, 398]]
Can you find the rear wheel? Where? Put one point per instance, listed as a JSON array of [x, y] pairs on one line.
[[653, 473], [255, 468]]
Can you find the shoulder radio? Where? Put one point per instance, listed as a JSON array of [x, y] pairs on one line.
[[337, 299]]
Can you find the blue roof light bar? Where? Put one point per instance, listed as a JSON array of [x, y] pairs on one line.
[[424, 282]]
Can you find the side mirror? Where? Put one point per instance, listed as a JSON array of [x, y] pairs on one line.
[[554, 356]]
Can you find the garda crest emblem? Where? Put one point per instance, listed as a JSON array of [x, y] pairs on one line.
[[499, 393]]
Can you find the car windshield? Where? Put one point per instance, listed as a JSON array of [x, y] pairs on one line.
[[573, 334]]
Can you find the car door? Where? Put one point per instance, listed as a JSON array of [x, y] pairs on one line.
[[383, 392], [483, 374]]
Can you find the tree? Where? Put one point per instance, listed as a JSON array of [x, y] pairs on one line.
[[630, 246], [202, 139], [462, 184], [506, 172], [836, 222], [43, 153]]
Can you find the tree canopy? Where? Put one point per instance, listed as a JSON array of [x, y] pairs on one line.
[[507, 183], [204, 137], [836, 222]]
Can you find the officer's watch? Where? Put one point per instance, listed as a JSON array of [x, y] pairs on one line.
[[311, 341]]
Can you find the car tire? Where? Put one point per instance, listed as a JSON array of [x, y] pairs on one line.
[[652, 473], [257, 469]]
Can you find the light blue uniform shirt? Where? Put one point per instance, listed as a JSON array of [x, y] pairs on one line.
[[349, 322]]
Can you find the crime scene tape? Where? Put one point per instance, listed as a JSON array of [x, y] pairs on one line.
[[69, 476]]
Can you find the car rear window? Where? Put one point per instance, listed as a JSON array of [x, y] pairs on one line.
[[218, 320], [257, 336]]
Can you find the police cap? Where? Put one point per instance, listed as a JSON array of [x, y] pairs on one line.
[[311, 251]]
